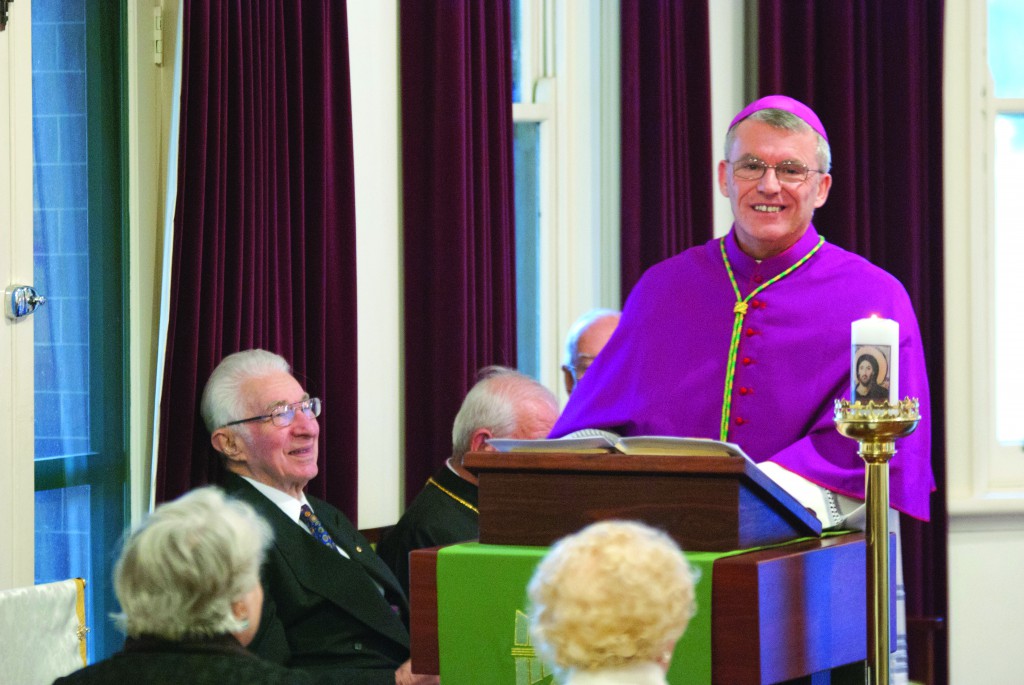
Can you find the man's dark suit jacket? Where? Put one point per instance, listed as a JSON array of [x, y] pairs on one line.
[[214, 661], [321, 612], [434, 518]]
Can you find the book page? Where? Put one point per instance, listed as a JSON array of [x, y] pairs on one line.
[[667, 444], [594, 444]]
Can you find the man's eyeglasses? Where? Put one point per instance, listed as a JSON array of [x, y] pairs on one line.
[[786, 172], [583, 362], [284, 415]]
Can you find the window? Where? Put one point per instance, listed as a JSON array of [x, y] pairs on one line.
[[1005, 62], [565, 87], [533, 140], [528, 168], [983, 121]]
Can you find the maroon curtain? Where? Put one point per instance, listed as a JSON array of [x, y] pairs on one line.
[[667, 174], [872, 70], [264, 226], [459, 225]]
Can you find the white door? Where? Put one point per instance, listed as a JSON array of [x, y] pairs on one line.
[[17, 412]]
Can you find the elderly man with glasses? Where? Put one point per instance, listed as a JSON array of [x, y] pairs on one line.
[[331, 606]]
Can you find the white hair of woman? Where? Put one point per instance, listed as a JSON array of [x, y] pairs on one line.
[[613, 598], [192, 569]]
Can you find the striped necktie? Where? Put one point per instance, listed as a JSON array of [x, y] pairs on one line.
[[313, 523]]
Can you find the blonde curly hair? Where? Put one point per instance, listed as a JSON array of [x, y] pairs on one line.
[[615, 593]]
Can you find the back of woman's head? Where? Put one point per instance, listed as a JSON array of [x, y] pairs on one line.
[[615, 593], [179, 573]]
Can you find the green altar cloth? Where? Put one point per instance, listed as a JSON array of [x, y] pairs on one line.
[[483, 634]]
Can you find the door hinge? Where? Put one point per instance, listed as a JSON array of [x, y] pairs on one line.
[[158, 36]]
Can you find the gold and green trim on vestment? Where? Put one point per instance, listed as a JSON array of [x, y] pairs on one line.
[[740, 310], [431, 481]]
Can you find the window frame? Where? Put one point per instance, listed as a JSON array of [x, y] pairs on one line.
[[572, 91], [984, 477]]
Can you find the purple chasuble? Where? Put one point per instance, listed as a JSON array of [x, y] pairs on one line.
[[663, 371]]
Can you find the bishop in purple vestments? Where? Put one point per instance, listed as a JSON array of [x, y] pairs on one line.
[[747, 338]]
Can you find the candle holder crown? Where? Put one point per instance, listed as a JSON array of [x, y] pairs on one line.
[[876, 425]]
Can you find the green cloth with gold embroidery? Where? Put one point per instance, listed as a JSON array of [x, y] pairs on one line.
[[482, 622]]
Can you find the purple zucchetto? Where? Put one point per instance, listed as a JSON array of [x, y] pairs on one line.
[[787, 104]]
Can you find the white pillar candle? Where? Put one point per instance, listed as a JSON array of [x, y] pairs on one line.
[[875, 360]]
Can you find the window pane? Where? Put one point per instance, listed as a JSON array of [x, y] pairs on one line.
[[61, 263], [517, 50], [63, 549], [1009, 282], [1005, 48], [61, 234], [527, 169]]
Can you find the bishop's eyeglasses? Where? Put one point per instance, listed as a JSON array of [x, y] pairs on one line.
[[284, 415], [752, 169]]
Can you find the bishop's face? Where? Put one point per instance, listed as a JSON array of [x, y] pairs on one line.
[[771, 216]]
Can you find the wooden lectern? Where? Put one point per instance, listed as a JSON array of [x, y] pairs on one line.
[[793, 612], [707, 504]]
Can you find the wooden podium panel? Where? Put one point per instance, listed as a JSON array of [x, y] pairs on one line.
[[707, 504], [777, 614], [423, 641], [791, 611]]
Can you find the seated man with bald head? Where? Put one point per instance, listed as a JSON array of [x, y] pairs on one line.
[[503, 404]]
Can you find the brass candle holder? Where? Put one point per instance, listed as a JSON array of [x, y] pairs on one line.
[[875, 426]]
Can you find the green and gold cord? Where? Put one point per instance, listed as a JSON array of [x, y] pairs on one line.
[[740, 310], [451, 494]]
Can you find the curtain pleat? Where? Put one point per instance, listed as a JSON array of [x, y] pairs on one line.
[[873, 73], [264, 227], [667, 173], [459, 224]]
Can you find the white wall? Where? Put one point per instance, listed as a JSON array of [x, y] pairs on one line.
[[986, 602], [373, 48], [728, 75]]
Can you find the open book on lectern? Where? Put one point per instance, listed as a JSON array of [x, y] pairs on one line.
[[603, 442]]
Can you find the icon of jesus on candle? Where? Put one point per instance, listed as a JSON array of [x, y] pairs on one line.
[[871, 382]]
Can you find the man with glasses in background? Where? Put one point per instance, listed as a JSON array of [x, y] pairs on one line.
[[588, 336], [331, 606]]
